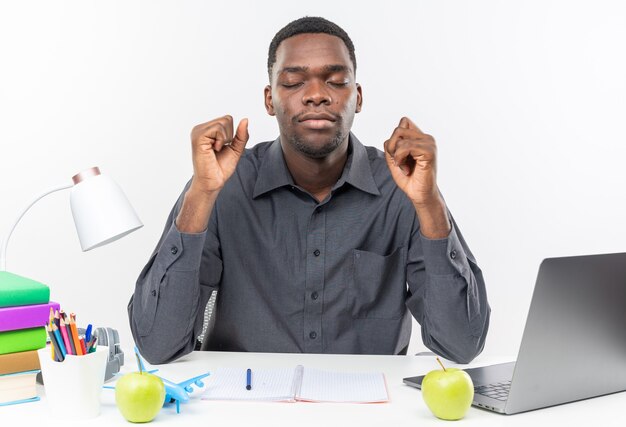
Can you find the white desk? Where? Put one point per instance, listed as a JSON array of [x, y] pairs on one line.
[[406, 407]]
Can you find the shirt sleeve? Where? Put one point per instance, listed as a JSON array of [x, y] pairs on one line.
[[171, 293], [447, 295]]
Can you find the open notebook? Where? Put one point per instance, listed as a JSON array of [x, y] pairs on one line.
[[296, 384]]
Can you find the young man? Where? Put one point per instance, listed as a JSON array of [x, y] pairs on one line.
[[311, 239]]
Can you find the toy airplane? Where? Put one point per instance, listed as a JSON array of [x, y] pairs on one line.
[[174, 392]]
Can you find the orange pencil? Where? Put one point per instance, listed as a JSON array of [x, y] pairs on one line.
[[79, 350]]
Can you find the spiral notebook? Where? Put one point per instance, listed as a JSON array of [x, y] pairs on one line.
[[296, 384]]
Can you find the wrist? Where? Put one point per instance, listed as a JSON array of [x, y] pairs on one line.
[[197, 192], [433, 203], [195, 211], [198, 196], [433, 219]]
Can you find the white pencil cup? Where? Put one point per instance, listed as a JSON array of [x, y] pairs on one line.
[[73, 387]]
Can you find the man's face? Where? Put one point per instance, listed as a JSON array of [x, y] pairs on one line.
[[313, 93]]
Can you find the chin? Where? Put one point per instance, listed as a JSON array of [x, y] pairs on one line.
[[317, 147]]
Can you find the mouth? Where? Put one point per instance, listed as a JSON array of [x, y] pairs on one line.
[[317, 121]]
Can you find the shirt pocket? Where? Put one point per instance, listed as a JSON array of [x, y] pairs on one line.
[[378, 285]]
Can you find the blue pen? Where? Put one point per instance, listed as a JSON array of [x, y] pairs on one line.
[[249, 379], [88, 333]]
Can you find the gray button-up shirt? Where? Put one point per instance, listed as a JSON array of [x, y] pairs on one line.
[[295, 275]]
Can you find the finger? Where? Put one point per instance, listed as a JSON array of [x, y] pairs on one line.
[[227, 128], [404, 123], [241, 137], [409, 156], [412, 125], [398, 134], [396, 173], [226, 123], [215, 135], [205, 158]]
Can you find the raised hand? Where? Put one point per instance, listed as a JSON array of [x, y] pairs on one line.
[[216, 151], [412, 159]]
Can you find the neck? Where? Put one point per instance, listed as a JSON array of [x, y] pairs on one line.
[[315, 175]]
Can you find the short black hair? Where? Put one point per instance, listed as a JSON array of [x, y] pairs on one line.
[[308, 25]]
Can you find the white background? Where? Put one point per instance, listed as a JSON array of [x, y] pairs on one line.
[[526, 100]]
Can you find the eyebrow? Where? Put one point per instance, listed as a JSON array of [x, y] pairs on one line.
[[333, 68]]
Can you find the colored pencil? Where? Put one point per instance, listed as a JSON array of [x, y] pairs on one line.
[[59, 340], [57, 319], [92, 346], [69, 345], [82, 346], [75, 334], [57, 353], [51, 317]]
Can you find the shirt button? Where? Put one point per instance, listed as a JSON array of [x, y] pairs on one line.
[[312, 335], [314, 295], [174, 250], [453, 254], [153, 293], [318, 209], [316, 252]]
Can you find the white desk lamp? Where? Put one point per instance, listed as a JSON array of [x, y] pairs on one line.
[[102, 213]]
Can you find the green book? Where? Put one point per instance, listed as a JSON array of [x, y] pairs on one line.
[[22, 340], [18, 290]]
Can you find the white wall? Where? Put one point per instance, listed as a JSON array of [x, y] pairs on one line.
[[526, 100]]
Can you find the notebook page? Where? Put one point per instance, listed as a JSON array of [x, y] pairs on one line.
[[324, 386], [267, 384]]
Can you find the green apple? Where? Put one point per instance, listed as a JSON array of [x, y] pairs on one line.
[[448, 393], [139, 396]]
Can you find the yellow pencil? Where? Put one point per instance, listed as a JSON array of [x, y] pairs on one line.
[[50, 325]]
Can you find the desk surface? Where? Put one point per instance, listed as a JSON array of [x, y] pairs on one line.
[[406, 407]]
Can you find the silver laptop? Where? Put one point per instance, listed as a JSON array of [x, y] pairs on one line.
[[574, 342]]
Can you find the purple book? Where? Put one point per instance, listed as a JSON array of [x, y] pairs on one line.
[[25, 316]]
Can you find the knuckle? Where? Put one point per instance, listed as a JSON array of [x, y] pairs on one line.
[[403, 143], [220, 129]]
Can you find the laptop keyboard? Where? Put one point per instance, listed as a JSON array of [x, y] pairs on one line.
[[499, 391]]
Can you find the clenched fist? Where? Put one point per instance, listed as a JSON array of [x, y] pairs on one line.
[[216, 149], [412, 159]]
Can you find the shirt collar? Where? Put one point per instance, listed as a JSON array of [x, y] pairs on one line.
[[273, 172]]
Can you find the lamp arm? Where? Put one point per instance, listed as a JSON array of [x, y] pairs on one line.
[[5, 240]]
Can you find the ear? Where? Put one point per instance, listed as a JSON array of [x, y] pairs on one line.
[[269, 105], [359, 98]]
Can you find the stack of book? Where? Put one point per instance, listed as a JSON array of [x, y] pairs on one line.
[[24, 311]]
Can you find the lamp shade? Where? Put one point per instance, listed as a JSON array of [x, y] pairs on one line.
[[101, 211]]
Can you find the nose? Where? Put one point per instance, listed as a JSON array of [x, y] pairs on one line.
[[316, 93]]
